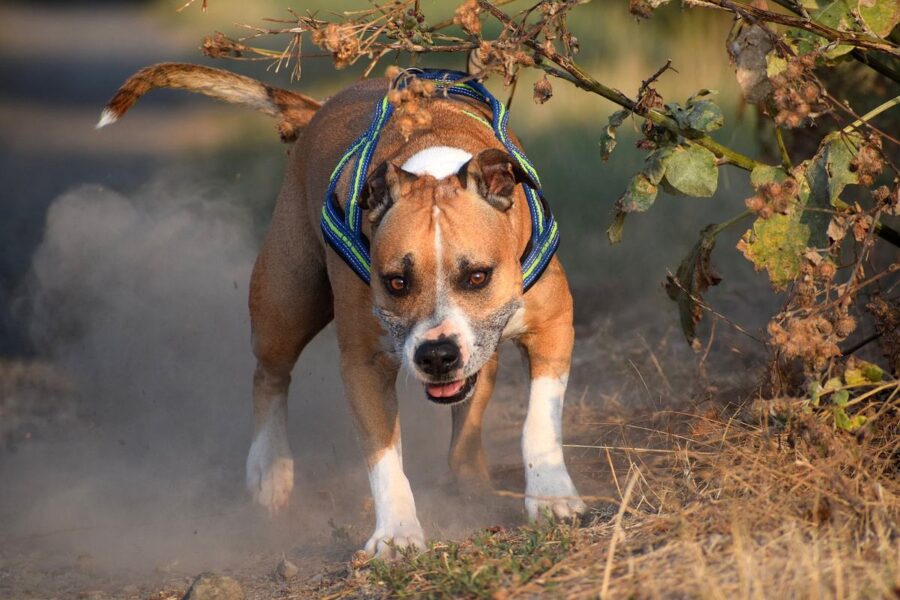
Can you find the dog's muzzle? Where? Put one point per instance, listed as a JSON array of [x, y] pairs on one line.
[[452, 392], [440, 360]]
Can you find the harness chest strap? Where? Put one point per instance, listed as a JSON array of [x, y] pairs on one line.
[[342, 229]]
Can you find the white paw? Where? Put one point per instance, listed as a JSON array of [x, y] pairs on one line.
[[270, 473], [387, 541], [551, 493]]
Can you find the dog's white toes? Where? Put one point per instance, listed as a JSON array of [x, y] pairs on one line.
[[386, 544], [274, 486], [552, 494], [560, 509], [270, 475]]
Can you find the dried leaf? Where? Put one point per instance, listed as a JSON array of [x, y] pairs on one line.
[[748, 51], [695, 275], [608, 137], [837, 228], [614, 231], [639, 196]]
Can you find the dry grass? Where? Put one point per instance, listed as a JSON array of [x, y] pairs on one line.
[[758, 501]]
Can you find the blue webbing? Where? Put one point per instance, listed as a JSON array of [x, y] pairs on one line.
[[343, 229]]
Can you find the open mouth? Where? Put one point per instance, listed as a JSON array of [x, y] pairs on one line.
[[452, 391]]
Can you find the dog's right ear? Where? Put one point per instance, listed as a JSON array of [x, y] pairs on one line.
[[382, 188]]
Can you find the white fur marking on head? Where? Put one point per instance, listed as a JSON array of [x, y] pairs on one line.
[[437, 161], [107, 117]]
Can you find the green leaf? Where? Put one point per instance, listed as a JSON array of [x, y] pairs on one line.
[[836, 15], [705, 116], [692, 171], [777, 244], [828, 172], [775, 64], [656, 163], [608, 137], [698, 114], [841, 397], [695, 275], [763, 174], [864, 373], [833, 384], [842, 420], [639, 196], [871, 372], [855, 377], [880, 16], [815, 390]]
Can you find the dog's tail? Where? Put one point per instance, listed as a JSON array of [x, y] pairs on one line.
[[295, 110]]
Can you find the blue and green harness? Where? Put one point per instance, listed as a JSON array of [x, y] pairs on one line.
[[343, 228]]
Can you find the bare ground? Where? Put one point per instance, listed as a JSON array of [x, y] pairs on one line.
[[627, 414]]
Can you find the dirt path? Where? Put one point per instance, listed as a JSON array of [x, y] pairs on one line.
[[156, 553]]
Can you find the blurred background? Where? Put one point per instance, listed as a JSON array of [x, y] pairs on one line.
[[60, 62], [126, 253]]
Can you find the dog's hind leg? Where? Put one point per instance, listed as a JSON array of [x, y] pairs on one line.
[[467, 460], [290, 302]]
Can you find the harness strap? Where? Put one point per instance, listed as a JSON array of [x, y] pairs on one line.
[[343, 228]]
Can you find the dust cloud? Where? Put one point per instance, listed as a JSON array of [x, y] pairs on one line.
[[140, 300]]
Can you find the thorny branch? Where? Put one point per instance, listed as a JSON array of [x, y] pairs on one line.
[[852, 38]]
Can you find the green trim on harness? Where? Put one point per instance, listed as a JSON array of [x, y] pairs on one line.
[[342, 229]]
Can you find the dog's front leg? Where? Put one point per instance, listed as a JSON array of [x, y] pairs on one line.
[[548, 487], [369, 384]]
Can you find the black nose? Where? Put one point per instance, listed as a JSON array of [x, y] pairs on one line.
[[438, 357]]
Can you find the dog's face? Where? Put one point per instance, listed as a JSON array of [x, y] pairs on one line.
[[446, 277]]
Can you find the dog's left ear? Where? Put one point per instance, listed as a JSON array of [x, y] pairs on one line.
[[382, 189], [493, 174]]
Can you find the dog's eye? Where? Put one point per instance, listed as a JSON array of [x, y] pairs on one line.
[[397, 284], [477, 279]]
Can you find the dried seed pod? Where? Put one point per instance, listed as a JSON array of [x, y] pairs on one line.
[[466, 16], [543, 91], [844, 326], [827, 270]]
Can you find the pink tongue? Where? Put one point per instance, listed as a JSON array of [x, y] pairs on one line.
[[444, 390]]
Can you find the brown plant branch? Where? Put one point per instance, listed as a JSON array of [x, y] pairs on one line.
[[859, 40]]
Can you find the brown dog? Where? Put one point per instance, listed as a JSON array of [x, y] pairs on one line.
[[447, 225]]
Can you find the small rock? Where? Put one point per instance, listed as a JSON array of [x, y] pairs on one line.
[[287, 569], [209, 586]]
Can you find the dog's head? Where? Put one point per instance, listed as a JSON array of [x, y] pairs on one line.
[[446, 277]]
